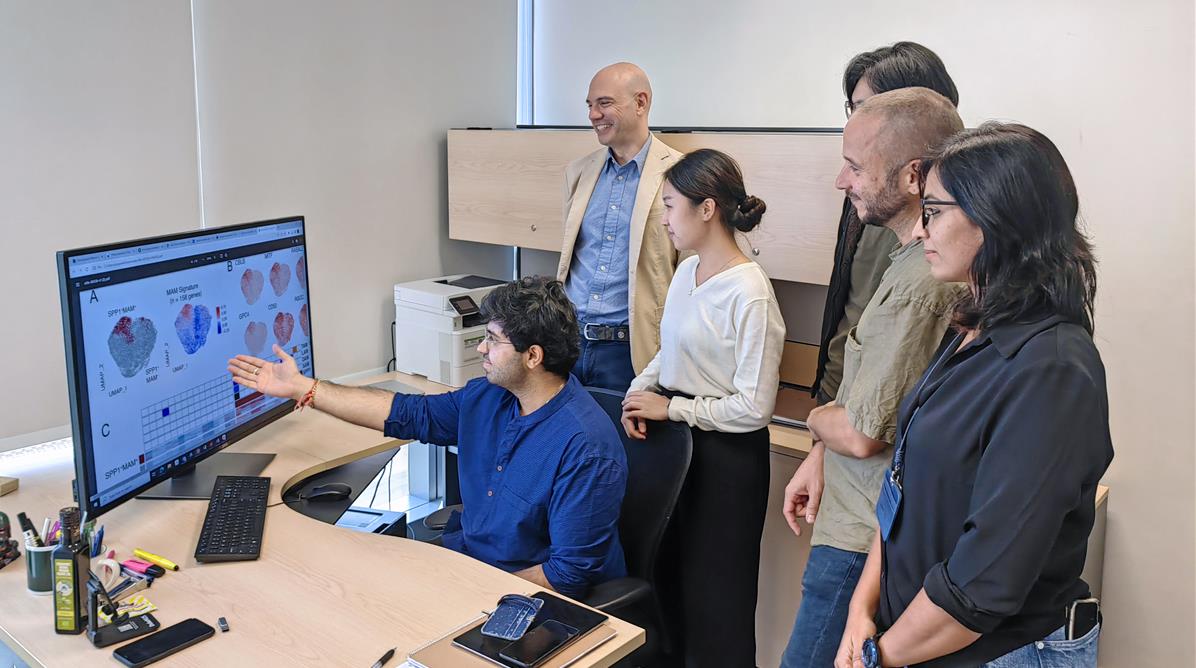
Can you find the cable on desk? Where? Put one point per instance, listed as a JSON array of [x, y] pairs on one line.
[[393, 354]]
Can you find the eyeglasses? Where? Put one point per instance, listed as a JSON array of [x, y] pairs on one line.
[[848, 107], [489, 340], [931, 212]]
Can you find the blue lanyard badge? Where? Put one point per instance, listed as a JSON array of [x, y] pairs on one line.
[[888, 505]]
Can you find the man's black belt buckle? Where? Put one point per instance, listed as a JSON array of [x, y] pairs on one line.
[[593, 332]]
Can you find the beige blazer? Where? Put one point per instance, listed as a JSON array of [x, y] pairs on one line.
[[651, 258]]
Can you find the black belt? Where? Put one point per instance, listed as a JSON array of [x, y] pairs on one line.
[[594, 332]]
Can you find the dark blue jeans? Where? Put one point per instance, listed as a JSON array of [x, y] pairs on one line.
[[826, 589], [605, 364]]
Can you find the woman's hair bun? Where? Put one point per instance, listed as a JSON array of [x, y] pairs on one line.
[[747, 215]]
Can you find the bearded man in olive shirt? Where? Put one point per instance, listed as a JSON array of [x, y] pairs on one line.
[[884, 355]]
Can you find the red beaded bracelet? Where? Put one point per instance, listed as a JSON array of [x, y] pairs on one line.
[[308, 399]]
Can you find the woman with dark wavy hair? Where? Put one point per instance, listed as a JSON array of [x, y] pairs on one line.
[[985, 513], [718, 370]]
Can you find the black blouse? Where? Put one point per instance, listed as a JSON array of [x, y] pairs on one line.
[[1001, 469]]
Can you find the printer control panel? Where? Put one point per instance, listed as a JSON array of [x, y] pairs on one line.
[[464, 305]]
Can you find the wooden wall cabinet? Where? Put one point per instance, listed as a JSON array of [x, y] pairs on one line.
[[506, 187]]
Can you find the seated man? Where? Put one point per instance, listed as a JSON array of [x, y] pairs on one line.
[[542, 468]]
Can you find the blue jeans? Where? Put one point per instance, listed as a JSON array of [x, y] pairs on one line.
[[826, 589], [1053, 651], [605, 364]]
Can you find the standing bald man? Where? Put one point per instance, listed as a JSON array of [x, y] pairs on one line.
[[617, 260]]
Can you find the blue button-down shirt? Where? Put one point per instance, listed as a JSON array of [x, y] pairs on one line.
[[544, 488], [597, 281]]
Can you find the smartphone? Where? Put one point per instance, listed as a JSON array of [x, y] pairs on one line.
[[538, 644], [1082, 616], [163, 643]]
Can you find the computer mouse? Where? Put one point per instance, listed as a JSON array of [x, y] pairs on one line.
[[333, 491]]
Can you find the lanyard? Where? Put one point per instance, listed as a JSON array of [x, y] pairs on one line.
[[897, 471]]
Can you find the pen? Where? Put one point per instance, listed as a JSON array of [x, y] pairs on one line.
[[385, 657], [99, 542], [155, 559], [46, 530]]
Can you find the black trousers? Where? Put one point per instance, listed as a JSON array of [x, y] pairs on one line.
[[710, 561]]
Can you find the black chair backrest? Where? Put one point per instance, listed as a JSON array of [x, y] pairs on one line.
[[656, 469]]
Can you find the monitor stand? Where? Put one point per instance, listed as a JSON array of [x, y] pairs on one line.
[[197, 482]]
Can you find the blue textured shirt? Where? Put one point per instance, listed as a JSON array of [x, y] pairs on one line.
[[544, 488], [597, 281]]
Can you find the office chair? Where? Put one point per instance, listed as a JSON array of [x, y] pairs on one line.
[[656, 471]]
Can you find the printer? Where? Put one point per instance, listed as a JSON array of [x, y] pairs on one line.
[[438, 326]]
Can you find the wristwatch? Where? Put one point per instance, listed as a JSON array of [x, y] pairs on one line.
[[870, 652]]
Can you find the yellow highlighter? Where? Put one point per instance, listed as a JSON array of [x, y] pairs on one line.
[[155, 559]]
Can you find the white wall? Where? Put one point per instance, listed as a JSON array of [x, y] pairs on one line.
[[339, 111], [1110, 82], [97, 144], [335, 111]]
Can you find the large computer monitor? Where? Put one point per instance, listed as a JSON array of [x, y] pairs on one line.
[[149, 326]]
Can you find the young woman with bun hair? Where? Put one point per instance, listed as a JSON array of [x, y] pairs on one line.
[[721, 337]]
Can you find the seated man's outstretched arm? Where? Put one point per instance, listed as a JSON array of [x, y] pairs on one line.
[[401, 416]]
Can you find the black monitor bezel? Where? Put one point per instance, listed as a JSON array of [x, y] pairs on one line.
[[80, 430]]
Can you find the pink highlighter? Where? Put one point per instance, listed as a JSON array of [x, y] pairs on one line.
[[143, 567]]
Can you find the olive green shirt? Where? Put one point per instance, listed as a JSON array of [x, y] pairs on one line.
[[884, 356], [868, 266]]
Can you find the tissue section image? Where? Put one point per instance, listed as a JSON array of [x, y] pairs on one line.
[[192, 325], [284, 324], [131, 343], [255, 337], [280, 278], [301, 272], [304, 324], [251, 285]]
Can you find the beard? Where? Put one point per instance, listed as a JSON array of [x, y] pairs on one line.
[[506, 376], [885, 205]]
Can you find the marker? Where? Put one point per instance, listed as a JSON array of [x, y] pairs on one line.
[[139, 566], [155, 559], [30, 532]]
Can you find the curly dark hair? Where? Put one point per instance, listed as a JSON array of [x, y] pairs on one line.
[[535, 311], [1035, 261]]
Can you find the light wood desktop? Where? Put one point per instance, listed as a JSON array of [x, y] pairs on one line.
[[320, 595]]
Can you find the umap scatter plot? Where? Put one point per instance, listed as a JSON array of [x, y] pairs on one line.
[[301, 272], [280, 278], [303, 322], [284, 324], [252, 282], [192, 325], [131, 343], [255, 337]]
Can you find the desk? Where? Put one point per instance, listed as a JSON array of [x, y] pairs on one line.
[[320, 595]]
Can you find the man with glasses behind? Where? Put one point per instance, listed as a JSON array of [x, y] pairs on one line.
[[542, 468], [884, 355], [862, 251]]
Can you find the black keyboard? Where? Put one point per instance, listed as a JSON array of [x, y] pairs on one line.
[[232, 529]]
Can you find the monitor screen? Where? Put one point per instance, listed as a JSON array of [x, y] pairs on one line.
[[149, 326]]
